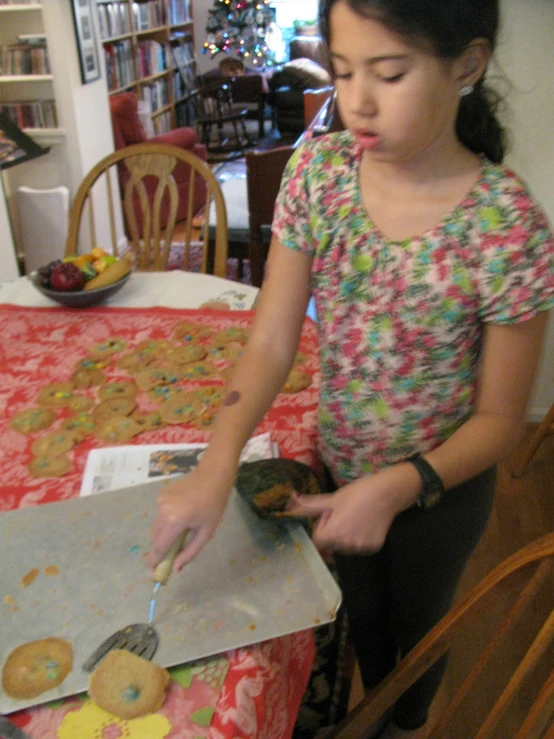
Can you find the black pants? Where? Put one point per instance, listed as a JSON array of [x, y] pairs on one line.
[[393, 598]]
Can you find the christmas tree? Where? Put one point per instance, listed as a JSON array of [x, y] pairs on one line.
[[240, 26]]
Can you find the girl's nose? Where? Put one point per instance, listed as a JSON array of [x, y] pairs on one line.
[[362, 98]]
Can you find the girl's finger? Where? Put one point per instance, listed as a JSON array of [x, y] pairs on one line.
[[310, 505]]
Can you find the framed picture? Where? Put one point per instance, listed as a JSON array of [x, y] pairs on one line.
[[86, 40], [15, 146]]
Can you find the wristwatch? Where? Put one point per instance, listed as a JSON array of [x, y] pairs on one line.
[[433, 488]]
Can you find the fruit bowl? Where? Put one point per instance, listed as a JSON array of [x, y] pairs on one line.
[[80, 298]]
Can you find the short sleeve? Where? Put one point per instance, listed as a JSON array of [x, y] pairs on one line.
[[291, 218], [516, 275]]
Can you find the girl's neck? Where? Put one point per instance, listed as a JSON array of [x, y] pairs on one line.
[[407, 200], [427, 171]]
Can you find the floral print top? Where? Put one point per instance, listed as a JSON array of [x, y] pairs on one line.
[[401, 323]]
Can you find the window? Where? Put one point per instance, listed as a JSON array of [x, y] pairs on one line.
[[287, 11]]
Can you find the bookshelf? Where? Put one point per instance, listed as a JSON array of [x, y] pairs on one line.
[[26, 79], [145, 45]]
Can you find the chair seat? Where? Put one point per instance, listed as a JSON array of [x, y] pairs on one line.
[[227, 118]]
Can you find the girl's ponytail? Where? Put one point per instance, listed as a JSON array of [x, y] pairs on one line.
[[477, 126]]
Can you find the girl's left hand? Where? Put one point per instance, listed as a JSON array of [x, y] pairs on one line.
[[357, 518]]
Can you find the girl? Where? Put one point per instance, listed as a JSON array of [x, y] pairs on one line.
[[432, 270]]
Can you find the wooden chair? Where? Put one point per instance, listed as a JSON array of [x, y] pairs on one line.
[[264, 170], [545, 427], [523, 601], [214, 108], [150, 186]]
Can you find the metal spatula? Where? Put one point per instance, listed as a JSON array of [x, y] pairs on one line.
[[141, 639]]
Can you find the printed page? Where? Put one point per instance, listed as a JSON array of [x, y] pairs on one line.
[[123, 466]]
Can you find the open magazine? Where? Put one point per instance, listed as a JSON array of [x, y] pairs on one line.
[[123, 466]]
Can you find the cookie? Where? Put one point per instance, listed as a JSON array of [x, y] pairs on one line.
[[207, 419], [57, 395], [232, 333], [191, 333], [218, 351], [114, 407], [198, 371], [185, 354], [32, 420], [35, 667], [128, 686], [215, 305], [135, 361], [117, 429], [106, 348], [49, 466], [123, 389], [148, 420], [153, 347], [161, 393], [54, 443], [182, 408], [92, 363], [296, 381], [149, 378], [85, 378], [80, 403], [83, 424]]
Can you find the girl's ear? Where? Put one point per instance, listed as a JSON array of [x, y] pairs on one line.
[[473, 62]]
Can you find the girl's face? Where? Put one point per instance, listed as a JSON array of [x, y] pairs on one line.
[[397, 99]]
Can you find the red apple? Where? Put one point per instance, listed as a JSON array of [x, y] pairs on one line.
[[67, 277]]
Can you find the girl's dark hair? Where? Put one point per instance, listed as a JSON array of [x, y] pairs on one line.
[[447, 27]]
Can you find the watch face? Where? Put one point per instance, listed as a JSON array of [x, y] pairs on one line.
[[432, 497]]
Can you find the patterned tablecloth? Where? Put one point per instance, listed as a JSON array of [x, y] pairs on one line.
[[253, 692]]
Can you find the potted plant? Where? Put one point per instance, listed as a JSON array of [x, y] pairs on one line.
[[306, 28]]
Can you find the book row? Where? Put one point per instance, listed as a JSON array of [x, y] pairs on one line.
[[113, 19], [32, 114], [24, 59], [156, 94], [151, 58], [120, 69]]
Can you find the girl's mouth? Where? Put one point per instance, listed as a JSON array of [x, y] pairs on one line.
[[367, 140]]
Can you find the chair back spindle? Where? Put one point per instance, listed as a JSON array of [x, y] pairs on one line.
[[517, 626]]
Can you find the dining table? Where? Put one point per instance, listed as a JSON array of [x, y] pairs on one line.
[[252, 692]]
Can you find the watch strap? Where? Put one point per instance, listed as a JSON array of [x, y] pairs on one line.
[[433, 486]]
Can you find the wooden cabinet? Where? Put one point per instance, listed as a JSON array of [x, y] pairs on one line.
[[149, 48]]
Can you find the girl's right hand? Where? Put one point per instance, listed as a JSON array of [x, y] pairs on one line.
[[195, 503]]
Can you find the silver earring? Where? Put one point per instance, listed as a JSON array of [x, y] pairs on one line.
[[466, 90]]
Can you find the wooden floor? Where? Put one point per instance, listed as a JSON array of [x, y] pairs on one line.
[[523, 511]]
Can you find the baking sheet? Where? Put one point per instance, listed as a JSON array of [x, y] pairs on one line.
[[255, 580]]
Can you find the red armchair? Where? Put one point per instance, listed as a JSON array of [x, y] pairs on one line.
[[128, 129]]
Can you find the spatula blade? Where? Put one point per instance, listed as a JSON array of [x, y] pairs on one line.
[[141, 639]]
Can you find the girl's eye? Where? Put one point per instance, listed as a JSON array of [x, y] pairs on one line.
[[344, 76], [394, 78]]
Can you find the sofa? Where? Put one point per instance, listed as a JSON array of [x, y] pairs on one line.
[[307, 69], [128, 130]]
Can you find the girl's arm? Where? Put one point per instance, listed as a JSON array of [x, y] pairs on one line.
[[358, 516], [510, 358], [196, 501]]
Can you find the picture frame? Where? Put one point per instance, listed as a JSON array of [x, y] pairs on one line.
[[15, 146], [85, 35]]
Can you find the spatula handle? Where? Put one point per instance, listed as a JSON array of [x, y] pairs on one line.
[[163, 569]]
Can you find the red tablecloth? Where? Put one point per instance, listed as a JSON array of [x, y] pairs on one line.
[[256, 691]]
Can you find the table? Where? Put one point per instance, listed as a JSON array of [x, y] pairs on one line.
[[253, 692]]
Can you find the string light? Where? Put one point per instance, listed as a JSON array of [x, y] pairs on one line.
[[240, 26]]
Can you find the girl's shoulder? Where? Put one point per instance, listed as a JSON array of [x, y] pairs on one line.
[[332, 150], [500, 183]]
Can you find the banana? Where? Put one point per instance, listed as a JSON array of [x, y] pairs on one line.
[[111, 274]]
